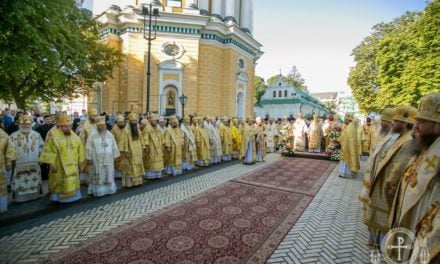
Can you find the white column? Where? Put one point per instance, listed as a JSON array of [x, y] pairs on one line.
[[216, 8], [230, 10], [204, 7], [192, 4], [245, 22], [251, 16]]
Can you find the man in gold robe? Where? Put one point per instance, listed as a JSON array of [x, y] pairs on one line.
[[154, 149], [365, 136], [65, 154], [214, 138], [315, 134], [390, 166], [173, 142], [350, 150], [189, 152], [8, 154], [118, 131], [387, 139], [131, 148], [88, 127], [419, 190], [236, 138], [260, 139], [248, 150], [226, 138], [202, 142]]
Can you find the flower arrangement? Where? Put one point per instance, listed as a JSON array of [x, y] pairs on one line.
[[334, 147], [286, 146]]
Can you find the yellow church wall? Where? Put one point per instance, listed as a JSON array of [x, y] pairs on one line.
[[209, 76]]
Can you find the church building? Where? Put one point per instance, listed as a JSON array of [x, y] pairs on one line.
[[203, 49], [282, 99]]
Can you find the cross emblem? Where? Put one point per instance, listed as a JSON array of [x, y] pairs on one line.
[[431, 162], [399, 247]]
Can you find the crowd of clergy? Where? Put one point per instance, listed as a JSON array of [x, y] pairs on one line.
[[136, 148], [398, 156], [401, 176]]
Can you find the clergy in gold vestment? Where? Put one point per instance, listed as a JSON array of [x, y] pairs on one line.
[[365, 137], [154, 149], [315, 134], [378, 152], [7, 155], [226, 139], [131, 148], [173, 142], [65, 154], [419, 189], [387, 174], [88, 127], [236, 139], [350, 149], [214, 138], [248, 146], [202, 142], [118, 131], [189, 151]]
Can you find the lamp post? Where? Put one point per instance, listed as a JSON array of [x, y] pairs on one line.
[[149, 12], [183, 99]]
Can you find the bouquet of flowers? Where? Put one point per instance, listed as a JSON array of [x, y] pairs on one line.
[[334, 147], [286, 146]]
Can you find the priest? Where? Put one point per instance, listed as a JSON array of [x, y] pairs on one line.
[[65, 154], [26, 181], [101, 151], [173, 142]]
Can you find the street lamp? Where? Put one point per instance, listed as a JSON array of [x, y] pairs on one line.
[[149, 12], [183, 100]]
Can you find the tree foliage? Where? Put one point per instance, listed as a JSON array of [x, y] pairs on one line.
[[293, 77], [399, 62], [259, 88], [50, 49]]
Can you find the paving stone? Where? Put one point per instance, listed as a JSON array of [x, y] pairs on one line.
[[331, 229], [32, 244]]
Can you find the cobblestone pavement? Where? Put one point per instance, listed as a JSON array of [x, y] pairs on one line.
[[330, 230], [30, 245]]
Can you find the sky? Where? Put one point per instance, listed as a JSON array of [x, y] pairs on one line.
[[317, 36]]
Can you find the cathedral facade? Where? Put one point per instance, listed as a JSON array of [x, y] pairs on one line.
[[203, 50]]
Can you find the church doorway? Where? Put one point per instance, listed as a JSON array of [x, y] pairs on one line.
[[170, 100]]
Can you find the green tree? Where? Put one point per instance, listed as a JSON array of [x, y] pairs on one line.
[[408, 59], [259, 88], [363, 77], [50, 49], [293, 77]]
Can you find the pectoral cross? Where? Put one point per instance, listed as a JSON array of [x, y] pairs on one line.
[[431, 162]]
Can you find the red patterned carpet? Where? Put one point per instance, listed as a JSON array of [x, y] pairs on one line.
[[233, 223], [298, 175]]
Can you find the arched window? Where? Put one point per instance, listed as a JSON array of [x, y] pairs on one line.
[[285, 93], [274, 93], [280, 93]]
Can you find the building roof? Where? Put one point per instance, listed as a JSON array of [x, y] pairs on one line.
[[296, 95], [325, 96]]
